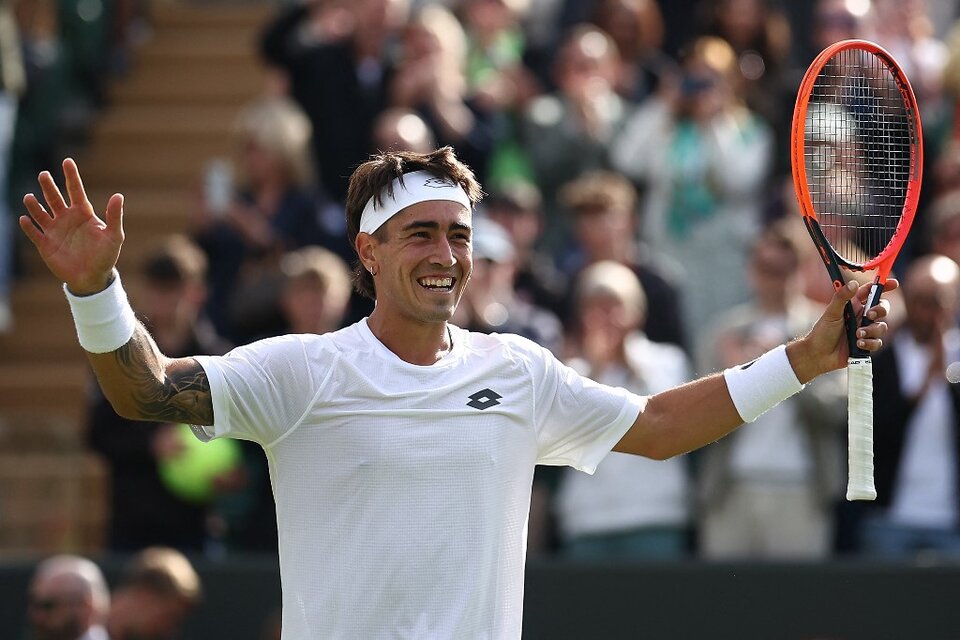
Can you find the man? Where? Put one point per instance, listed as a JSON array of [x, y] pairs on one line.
[[603, 205], [68, 600], [917, 413], [402, 448], [158, 590], [356, 69]]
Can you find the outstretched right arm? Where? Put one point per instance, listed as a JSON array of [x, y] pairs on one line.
[[143, 384], [82, 250]]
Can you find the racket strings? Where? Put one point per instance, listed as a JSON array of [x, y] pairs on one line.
[[857, 146]]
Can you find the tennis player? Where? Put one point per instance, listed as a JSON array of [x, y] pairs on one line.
[[401, 448]]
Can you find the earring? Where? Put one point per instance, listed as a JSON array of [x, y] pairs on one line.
[[372, 271]]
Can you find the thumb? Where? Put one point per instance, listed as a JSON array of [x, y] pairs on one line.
[[841, 297], [114, 216]]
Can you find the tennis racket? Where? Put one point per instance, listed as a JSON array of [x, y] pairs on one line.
[[856, 154]]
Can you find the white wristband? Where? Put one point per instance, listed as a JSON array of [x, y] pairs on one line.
[[104, 320], [762, 384]]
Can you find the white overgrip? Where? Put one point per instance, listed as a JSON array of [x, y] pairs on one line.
[[860, 430]]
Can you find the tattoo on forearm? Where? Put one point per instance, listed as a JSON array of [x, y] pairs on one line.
[[179, 394]]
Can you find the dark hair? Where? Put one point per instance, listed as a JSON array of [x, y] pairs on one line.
[[375, 176], [176, 260]]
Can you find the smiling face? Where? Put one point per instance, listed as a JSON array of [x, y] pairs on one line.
[[423, 263]]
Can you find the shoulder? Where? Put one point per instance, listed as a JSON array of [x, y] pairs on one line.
[[307, 344], [508, 346]]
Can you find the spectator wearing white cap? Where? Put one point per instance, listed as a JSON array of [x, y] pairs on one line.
[[491, 304]]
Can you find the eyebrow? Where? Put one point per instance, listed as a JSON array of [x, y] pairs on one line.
[[431, 224]]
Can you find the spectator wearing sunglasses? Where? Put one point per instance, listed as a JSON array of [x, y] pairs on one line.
[[68, 599]]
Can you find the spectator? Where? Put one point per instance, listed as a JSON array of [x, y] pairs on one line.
[[637, 28], [917, 421], [499, 84], [12, 86], [398, 129], [315, 290], [430, 79], [156, 594], [631, 507], [833, 21], [768, 492], [603, 205], [355, 67], [272, 209], [491, 304], [905, 29], [518, 208], [702, 158], [569, 131], [944, 228], [143, 510], [68, 600], [760, 35]]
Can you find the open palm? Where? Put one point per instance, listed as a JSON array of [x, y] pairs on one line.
[[76, 245]]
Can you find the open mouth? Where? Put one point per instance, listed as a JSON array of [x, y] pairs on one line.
[[437, 284]]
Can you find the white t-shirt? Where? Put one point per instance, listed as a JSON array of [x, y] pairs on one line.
[[402, 491]]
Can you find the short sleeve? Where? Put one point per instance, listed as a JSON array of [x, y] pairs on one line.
[[578, 421], [260, 391]]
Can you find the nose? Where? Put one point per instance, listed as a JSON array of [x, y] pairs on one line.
[[443, 255]]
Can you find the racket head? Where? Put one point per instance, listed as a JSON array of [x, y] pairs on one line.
[[857, 157]]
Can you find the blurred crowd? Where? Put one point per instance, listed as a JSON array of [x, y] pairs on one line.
[[639, 222]]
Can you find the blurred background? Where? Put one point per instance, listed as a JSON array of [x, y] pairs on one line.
[[619, 143]]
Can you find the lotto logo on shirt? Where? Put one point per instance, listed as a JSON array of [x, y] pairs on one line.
[[484, 399]]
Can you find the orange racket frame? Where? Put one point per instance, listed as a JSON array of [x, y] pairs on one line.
[[883, 262]]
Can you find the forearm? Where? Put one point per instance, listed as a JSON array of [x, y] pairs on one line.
[[698, 413], [682, 419], [143, 384]]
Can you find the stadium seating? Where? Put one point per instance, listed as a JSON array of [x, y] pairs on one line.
[[171, 113]]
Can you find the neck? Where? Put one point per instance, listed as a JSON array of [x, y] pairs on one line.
[[773, 304], [420, 343]]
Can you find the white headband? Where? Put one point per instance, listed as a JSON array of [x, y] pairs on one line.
[[418, 186]]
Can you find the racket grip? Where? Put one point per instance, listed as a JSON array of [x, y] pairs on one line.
[[860, 430]]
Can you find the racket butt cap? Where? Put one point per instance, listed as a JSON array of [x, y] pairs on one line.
[[861, 493]]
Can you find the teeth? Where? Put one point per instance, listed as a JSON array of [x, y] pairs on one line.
[[437, 282]]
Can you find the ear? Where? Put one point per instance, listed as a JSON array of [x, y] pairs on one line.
[[365, 245]]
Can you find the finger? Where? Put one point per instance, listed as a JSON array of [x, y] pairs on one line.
[[51, 193], [840, 298], [870, 344], [879, 311], [873, 331], [71, 175], [891, 284], [36, 211], [31, 231], [113, 216]]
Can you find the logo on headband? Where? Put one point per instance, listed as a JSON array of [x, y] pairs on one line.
[[438, 183]]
